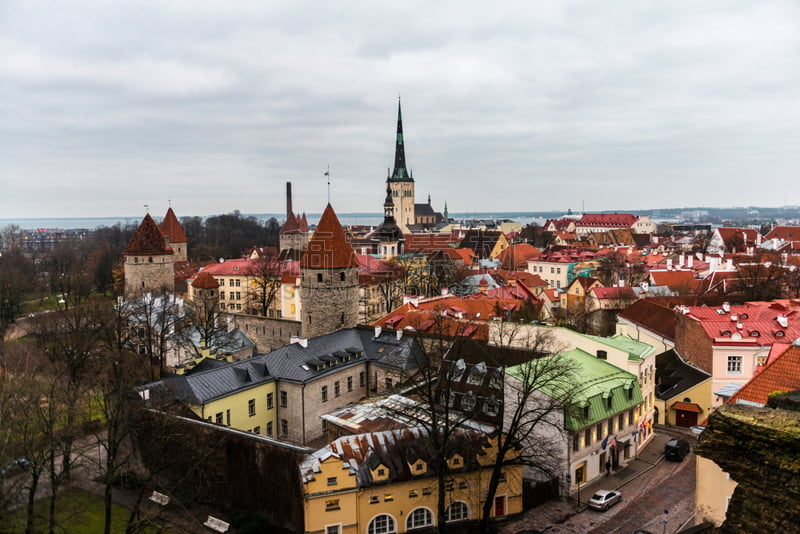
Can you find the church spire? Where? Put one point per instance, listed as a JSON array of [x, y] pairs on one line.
[[400, 173], [388, 205]]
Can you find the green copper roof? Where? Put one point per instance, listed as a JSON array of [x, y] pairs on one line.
[[594, 380], [400, 174], [636, 349]]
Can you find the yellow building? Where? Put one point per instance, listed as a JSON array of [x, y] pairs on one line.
[[382, 483]]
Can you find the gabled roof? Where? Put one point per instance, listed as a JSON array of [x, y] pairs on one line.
[[594, 380], [172, 229], [786, 233], [681, 281], [148, 240], [652, 316], [481, 242], [328, 247], [674, 376], [614, 293], [750, 237], [517, 255], [747, 324], [782, 374], [291, 225], [426, 243]]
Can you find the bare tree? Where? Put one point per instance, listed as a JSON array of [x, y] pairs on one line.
[[265, 273], [537, 393], [153, 320]]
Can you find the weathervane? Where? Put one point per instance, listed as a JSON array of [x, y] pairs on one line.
[[147, 208], [328, 174]]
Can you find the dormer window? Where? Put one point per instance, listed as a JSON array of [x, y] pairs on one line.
[[726, 333], [779, 334], [755, 333], [609, 401], [468, 402], [458, 369], [586, 412]]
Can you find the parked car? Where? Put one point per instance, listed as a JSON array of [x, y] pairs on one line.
[[16, 465], [604, 499], [676, 449], [697, 429]]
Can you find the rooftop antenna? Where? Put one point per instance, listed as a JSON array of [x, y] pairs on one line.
[[328, 174]]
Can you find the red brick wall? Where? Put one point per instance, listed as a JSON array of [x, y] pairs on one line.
[[692, 342]]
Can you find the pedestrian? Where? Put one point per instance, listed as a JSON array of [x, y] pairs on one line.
[[608, 468]]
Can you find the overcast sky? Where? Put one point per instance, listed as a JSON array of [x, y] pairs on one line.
[[106, 106]]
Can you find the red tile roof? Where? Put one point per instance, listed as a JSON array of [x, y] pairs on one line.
[[291, 226], [782, 374], [172, 229], [686, 407], [614, 293], [328, 247], [680, 281], [749, 236], [754, 324], [607, 220], [204, 280], [651, 315], [426, 243], [787, 233], [148, 240]]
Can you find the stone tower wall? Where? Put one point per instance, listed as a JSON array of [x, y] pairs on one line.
[[403, 197], [148, 274], [298, 241], [329, 302]]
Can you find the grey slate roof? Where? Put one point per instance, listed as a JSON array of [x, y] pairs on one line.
[[674, 376], [296, 363]]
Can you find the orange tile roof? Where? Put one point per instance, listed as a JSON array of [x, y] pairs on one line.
[[148, 240], [687, 407], [680, 281], [787, 233], [328, 247], [517, 255], [783, 374], [204, 280], [172, 229]]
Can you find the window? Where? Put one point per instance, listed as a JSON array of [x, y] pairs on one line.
[[269, 428], [457, 511], [599, 432], [238, 284], [620, 421], [580, 473], [609, 400], [388, 383], [734, 365], [332, 504], [388, 497], [269, 401], [284, 399], [238, 295], [587, 437], [341, 276], [413, 493], [468, 401], [586, 412], [222, 295], [576, 446], [333, 529], [602, 355], [630, 417], [218, 418], [324, 393], [382, 524], [284, 427], [257, 430], [630, 393], [349, 383], [361, 377], [251, 407], [374, 499], [319, 277], [419, 518], [332, 481], [381, 472], [426, 491], [228, 417], [231, 294]]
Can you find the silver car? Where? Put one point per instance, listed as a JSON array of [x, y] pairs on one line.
[[604, 499]]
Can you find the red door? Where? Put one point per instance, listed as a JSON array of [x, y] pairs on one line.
[[686, 419], [499, 506]]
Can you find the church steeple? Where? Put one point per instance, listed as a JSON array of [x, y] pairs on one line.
[[388, 205], [400, 173]]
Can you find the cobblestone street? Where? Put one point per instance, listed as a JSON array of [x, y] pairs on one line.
[[657, 485]]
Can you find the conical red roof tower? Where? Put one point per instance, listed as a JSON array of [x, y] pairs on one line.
[[328, 248], [148, 240]]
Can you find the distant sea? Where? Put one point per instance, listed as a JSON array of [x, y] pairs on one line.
[[71, 223]]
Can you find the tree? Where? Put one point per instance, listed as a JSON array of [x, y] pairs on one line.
[[762, 278], [391, 283], [537, 393], [16, 274], [265, 273], [152, 322]]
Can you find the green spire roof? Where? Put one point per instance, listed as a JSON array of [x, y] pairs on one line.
[[400, 174]]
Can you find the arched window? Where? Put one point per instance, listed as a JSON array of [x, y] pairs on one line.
[[382, 524], [419, 518], [458, 511]]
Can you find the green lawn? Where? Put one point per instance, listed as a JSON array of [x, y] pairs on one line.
[[77, 512]]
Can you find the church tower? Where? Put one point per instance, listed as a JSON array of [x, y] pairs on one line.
[[401, 182], [174, 235], [205, 296], [388, 237], [149, 262], [328, 280]]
